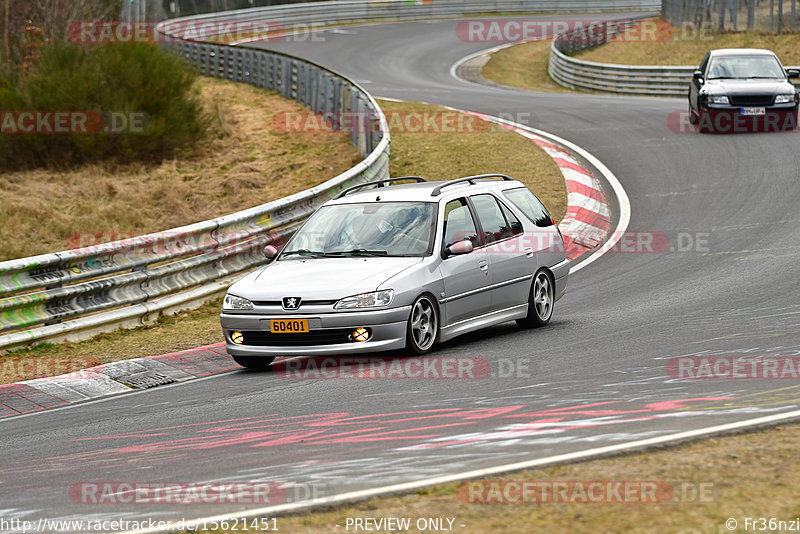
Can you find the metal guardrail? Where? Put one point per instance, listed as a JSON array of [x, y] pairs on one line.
[[125, 283], [646, 80], [339, 11]]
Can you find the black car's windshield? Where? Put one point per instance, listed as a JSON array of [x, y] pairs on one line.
[[366, 229], [736, 67]]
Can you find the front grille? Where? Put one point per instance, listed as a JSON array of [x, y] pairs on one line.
[[752, 100], [302, 303], [328, 336]]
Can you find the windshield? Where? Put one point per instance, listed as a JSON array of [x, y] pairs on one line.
[[366, 229], [745, 67]]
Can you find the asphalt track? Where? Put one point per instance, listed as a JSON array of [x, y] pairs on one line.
[[596, 376]]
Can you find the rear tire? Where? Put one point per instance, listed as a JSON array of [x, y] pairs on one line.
[[540, 302], [256, 363], [423, 325]]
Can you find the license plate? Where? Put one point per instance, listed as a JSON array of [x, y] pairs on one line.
[[288, 326], [754, 111]]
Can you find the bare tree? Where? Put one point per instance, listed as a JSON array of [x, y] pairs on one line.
[[52, 16]]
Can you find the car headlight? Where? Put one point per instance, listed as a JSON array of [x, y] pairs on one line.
[[784, 99], [718, 100], [232, 302], [376, 299]]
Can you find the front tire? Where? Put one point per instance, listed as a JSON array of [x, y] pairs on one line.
[[256, 363], [423, 325], [693, 119], [540, 302]]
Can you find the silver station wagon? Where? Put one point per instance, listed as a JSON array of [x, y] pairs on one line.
[[385, 267]]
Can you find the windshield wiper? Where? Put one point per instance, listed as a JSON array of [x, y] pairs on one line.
[[306, 252], [362, 252]]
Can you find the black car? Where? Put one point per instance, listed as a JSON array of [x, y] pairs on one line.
[[743, 89]]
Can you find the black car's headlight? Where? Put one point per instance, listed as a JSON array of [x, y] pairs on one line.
[[718, 100], [784, 99], [376, 299], [232, 302]]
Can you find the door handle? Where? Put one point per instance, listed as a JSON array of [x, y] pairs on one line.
[[529, 252], [484, 266]]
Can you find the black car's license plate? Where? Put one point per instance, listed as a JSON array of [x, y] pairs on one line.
[[754, 111]]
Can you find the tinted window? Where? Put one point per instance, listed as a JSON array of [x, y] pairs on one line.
[[529, 205], [511, 219], [493, 222], [458, 223], [745, 67]]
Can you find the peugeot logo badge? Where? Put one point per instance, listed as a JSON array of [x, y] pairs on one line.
[[291, 303]]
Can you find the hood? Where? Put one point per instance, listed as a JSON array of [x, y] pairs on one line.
[[748, 87], [320, 278]]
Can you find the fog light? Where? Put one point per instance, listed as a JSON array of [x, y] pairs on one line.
[[360, 334], [237, 337]]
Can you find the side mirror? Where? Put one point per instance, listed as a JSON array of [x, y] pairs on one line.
[[460, 247], [698, 76], [793, 73], [270, 252]]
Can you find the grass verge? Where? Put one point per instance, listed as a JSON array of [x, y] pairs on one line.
[[429, 152], [675, 46], [244, 162], [525, 65]]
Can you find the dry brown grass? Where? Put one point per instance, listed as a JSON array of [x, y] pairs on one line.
[[682, 47], [442, 156], [523, 65], [244, 162]]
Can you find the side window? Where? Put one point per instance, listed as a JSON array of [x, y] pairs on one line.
[[704, 64], [494, 224], [529, 205], [514, 226], [458, 223]]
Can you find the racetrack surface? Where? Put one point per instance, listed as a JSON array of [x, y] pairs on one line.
[[597, 375]]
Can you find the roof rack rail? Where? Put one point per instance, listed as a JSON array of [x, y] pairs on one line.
[[471, 179], [379, 183]]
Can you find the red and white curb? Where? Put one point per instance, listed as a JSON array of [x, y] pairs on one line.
[[112, 379], [587, 221]]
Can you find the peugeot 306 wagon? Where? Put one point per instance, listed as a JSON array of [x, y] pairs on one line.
[[385, 267]]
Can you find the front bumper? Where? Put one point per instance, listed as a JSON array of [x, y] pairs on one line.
[[388, 332], [729, 119]]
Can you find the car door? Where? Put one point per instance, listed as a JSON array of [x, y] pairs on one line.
[[512, 261], [695, 85], [465, 276]]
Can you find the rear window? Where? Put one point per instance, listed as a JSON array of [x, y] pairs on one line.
[[529, 205]]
